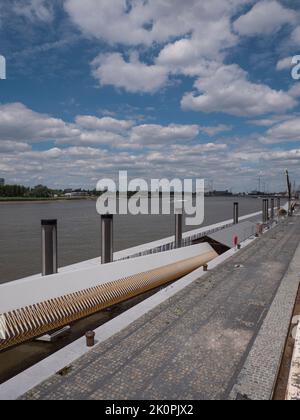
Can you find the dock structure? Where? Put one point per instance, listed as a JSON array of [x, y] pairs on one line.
[[221, 337]]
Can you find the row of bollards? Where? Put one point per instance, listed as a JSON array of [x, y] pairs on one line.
[[269, 214], [50, 248], [49, 236], [49, 242]]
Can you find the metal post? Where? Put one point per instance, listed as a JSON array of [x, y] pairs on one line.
[[236, 213], [178, 230], [272, 209], [267, 210], [289, 192], [106, 239], [264, 217], [49, 247], [90, 338], [278, 203]]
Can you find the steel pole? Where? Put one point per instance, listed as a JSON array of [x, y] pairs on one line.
[[178, 230], [264, 211], [236, 213], [106, 239], [49, 247], [267, 210], [278, 203], [272, 209]]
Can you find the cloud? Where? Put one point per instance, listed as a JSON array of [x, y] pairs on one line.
[[191, 41], [35, 10], [79, 166], [268, 122], [295, 36], [294, 90], [106, 124], [94, 138], [13, 146], [91, 147], [19, 123], [228, 90], [204, 32], [133, 76], [208, 40], [109, 20], [284, 64], [283, 154], [212, 131], [152, 134], [266, 17], [85, 152], [53, 153], [288, 131], [145, 22], [199, 149]]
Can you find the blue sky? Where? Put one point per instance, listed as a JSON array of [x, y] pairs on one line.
[[157, 87]]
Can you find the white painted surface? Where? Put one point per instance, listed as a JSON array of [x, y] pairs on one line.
[[24, 382], [26, 292]]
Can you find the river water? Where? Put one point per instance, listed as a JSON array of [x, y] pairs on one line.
[[79, 231]]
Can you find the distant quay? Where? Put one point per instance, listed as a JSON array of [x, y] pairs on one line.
[[42, 200]]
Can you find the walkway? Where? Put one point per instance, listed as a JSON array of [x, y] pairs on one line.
[[195, 345]]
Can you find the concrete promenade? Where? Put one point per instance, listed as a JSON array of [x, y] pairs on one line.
[[200, 343]]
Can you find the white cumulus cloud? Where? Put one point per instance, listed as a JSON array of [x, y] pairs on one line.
[[284, 64], [150, 134], [266, 17], [106, 123], [287, 131], [228, 90], [132, 75]]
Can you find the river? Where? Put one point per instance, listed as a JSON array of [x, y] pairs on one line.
[[79, 231]]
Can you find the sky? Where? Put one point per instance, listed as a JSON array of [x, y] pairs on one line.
[[160, 88]]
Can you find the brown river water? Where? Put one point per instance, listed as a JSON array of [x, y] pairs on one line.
[[79, 231]]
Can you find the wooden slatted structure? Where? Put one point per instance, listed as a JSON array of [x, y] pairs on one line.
[[33, 321]]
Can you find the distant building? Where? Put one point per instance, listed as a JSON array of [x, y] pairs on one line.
[[222, 193], [76, 194], [2, 182]]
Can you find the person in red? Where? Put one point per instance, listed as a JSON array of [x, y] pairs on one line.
[[236, 241]]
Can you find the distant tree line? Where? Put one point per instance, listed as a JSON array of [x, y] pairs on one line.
[[41, 191], [19, 191]]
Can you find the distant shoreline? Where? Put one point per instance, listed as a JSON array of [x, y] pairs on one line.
[[14, 200], [42, 200]]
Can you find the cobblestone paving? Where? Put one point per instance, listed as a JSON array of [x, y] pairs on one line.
[[257, 378], [194, 345]]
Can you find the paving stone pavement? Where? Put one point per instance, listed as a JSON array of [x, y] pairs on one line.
[[192, 346]]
